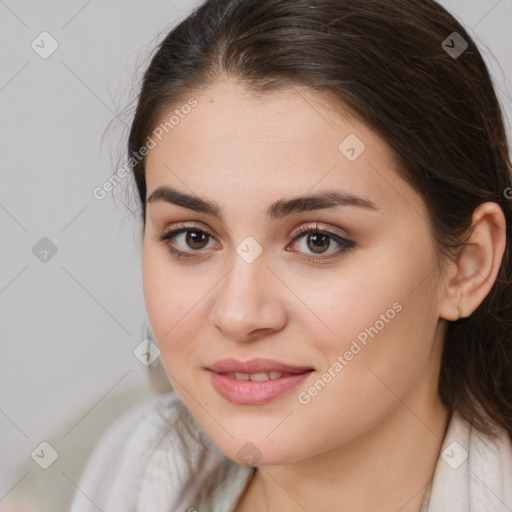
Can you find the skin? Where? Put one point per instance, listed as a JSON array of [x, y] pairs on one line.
[[379, 424]]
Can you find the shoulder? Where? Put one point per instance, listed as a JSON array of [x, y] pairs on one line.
[[150, 454]]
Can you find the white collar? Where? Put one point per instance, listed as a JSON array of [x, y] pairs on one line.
[[150, 460], [473, 472]]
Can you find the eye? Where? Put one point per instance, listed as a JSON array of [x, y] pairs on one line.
[[320, 243], [184, 241]]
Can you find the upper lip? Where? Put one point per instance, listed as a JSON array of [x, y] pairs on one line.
[[258, 365]]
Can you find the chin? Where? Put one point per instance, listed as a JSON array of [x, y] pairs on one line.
[[251, 445]]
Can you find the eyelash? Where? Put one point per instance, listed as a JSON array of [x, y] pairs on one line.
[[166, 237]]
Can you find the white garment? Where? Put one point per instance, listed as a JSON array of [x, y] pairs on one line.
[[156, 458]]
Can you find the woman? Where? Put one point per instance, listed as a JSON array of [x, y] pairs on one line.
[[327, 267]]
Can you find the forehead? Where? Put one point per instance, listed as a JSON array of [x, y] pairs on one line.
[[228, 115], [234, 145]]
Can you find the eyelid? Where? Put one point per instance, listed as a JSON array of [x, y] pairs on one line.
[[194, 224], [317, 226]]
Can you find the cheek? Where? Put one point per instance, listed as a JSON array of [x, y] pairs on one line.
[[167, 299], [157, 292], [381, 314], [358, 295], [177, 299]]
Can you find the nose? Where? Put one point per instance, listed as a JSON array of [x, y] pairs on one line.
[[247, 304]]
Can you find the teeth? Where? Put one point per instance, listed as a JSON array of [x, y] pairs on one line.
[[257, 377]]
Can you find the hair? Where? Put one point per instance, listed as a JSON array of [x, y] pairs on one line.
[[384, 62]]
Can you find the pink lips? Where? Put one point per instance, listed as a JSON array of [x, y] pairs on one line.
[[248, 392]]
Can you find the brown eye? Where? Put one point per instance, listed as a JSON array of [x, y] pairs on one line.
[[318, 242], [318, 245], [186, 242], [196, 239]]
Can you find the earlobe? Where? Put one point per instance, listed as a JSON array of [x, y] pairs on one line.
[[475, 271]]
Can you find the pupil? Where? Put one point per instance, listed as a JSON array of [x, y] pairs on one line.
[[318, 241], [196, 239]]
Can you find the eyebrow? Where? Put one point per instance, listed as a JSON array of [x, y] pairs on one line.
[[277, 210]]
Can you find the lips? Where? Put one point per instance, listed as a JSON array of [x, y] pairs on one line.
[[256, 381], [258, 365]]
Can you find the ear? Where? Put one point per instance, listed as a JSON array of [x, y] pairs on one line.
[[469, 279]]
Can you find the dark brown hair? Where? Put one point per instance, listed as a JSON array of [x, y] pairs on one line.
[[384, 61]]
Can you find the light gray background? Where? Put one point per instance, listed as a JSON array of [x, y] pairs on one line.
[[69, 326]]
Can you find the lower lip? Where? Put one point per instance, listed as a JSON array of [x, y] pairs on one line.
[[247, 392]]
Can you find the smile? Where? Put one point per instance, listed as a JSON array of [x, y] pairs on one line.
[[255, 382]]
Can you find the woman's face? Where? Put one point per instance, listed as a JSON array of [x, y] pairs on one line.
[[340, 292]]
